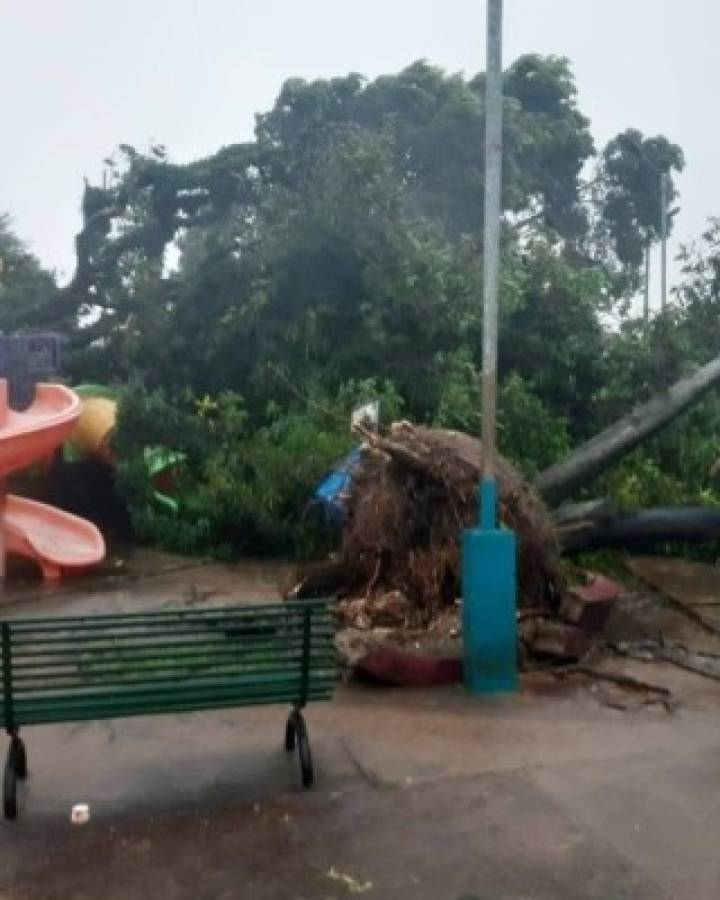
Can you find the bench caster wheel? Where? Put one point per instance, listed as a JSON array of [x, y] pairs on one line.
[[303, 745], [296, 734]]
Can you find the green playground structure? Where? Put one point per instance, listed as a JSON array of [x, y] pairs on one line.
[[92, 439]]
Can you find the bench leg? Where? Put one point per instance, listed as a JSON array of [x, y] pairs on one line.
[[296, 734], [17, 749], [290, 732], [15, 768]]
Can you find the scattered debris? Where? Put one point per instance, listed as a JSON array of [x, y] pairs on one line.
[[352, 884], [80, 814], [385, 610], [699, 618], [634, 693], [696, 661], [354, 644], [558, 641], [588, 605], [404, 651]]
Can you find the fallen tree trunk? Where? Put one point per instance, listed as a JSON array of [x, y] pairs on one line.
[[573, 513], [560, 480], [640, 529]]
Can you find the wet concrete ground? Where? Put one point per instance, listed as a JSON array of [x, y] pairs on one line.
[[692, 584], [420, 794]]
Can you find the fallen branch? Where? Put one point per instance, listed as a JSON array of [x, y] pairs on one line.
[[582, 465], [693, 614], [676, 655], [625, 681], [587, 510]]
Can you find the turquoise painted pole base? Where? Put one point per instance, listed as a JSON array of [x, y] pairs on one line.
[[489, 621]]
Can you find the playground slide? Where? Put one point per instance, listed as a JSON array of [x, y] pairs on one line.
[[60, 543]]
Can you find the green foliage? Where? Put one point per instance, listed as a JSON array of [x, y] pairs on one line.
[[257, 490], [640, 481], [336, 259], [240, 490], [346, 233], [675, 468], [631, 170], [27, 291], [151, 420], [529, 434], [458, 392], [551, 335], [359, 391]]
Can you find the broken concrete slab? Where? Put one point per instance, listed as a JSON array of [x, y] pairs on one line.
[[558, 641], [588, 605]]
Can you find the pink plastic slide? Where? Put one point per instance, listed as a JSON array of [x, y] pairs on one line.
[[61, 544]]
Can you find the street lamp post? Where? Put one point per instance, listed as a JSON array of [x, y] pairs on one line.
[[489, 551], [646, 286], [664, 191]]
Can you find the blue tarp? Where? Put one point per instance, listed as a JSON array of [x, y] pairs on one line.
[[331, 495]]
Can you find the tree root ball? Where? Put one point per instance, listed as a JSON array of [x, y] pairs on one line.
[[412, 497]]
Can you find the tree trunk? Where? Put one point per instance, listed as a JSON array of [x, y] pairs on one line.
[[601, 451], [641, 529]]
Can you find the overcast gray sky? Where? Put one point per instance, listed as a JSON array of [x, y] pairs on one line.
[[80, 76]]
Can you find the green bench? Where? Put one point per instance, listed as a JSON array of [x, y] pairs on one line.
[[79, 668]]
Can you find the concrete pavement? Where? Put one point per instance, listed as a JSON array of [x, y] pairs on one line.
[[429, 795], [419, 794]]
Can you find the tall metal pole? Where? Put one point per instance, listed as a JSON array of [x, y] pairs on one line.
[[489, 552], [491, 256], [663, 238], [646, 294]]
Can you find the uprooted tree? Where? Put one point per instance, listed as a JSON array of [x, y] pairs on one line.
[[415, 492], [417, 489], [336, 258]]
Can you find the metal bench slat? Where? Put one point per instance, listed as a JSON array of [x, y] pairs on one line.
[[97, 620], [72, 668], [48, 717], [31, 682], [106, 701]]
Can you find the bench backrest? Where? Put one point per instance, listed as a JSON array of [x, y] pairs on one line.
[[60, 669]]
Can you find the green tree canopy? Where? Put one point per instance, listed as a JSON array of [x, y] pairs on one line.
[[27, 291], [630, 190], [344, 241], [257, 293]]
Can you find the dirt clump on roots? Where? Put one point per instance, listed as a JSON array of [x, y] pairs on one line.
[[412, 496]]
